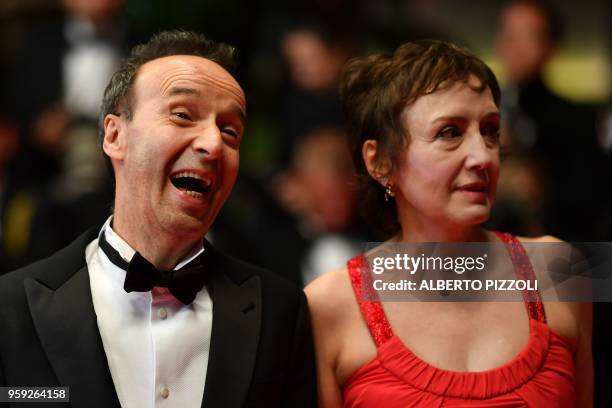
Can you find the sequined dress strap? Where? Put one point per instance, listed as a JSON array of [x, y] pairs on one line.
[[524, 271], [369, 304]]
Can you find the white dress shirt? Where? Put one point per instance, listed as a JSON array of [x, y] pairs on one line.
[[156, 347]]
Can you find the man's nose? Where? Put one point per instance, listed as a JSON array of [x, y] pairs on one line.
[[209, 141]]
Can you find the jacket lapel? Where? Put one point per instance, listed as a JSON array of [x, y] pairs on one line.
[[235, 332], [66, 325]]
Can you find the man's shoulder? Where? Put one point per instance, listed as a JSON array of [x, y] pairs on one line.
[[246, 270], [273, 285]]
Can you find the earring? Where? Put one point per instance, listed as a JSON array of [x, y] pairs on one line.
[[388, 191]]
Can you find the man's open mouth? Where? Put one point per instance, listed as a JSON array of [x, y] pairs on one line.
[[191, 183]]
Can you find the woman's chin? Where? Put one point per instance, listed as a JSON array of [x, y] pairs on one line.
[[471, 217]]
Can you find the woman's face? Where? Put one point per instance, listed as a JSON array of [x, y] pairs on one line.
[[448, 173]]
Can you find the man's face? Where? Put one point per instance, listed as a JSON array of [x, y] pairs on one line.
[[523, 42], [176, 160]]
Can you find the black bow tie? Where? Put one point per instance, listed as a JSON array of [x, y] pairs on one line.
[[142, 276]]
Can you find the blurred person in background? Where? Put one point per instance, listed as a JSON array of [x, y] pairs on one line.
[[551, 138], [27, 215], [318, 189], [315, 53], [59, 77], [56, 83], [520, 197]]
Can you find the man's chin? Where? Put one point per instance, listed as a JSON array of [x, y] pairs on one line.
[[187, 225]]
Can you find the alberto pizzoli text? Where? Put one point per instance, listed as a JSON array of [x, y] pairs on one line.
[[457, 285]]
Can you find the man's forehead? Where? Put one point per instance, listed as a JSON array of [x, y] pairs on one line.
[[165, 74]]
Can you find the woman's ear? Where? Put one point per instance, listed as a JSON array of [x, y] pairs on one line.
[[114, 137], [378, 169]]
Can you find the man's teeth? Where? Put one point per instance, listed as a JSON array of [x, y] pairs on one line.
[[193, 194]]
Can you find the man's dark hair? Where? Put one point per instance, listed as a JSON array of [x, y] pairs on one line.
[[118, 93]]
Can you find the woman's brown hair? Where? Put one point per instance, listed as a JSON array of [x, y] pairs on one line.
[[376, 89]]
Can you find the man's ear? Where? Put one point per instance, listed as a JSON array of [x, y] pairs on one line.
[[380, 170], [114, 137]]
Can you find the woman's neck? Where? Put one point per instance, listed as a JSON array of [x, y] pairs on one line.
[[432, 232]]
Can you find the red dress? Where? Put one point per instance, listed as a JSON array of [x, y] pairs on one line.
[[541, 375]]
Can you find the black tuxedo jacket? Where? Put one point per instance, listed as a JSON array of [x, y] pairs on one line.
[[261, 346]]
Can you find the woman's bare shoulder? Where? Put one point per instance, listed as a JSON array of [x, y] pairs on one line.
[[569, 318], [330, 292], [547, 253]]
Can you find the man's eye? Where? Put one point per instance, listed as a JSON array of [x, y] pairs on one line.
[[182, 115], [230, 131]]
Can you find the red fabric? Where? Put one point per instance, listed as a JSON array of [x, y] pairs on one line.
[[541, 375]]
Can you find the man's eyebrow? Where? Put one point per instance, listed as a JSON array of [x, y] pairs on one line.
[[183, 91], [240, 112], [191, 91]]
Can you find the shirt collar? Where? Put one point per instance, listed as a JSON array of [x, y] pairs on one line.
[[127, 252]]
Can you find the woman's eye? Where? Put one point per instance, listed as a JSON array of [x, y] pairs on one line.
[[449, 132], [491, 131]]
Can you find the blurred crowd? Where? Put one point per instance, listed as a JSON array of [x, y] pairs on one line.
[[294, 204], [293, 209]]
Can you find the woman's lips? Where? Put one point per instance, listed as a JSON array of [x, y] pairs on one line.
[[475, 191]]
